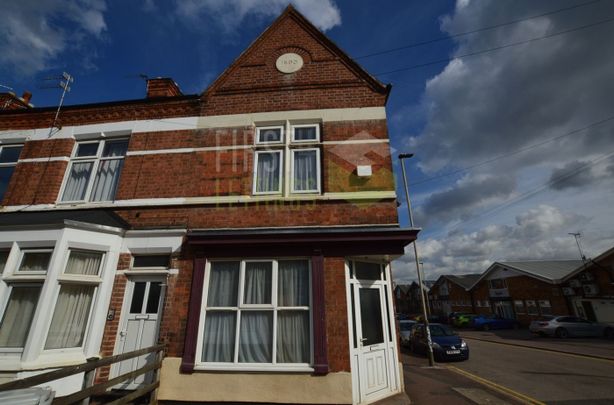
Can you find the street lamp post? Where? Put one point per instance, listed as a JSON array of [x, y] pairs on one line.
[[428, 300], [427, 330]]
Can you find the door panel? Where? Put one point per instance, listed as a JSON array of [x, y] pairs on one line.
[[372, 350], [140, 328]]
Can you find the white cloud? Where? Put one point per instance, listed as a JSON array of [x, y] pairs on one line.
[[34, 33], [539, 233], [484, 107], [229, 14]]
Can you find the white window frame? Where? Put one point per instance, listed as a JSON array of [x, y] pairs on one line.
[[260, 129], [318, 171], [64, 278], [281, 171], [10, 164], [11, 277], [301, 141], [241, 307], [534, 305], [287, 146], [22, 252], [5, 302], [95, 160], [521, 303], [549, 306]]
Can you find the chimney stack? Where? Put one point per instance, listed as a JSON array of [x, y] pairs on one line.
[[162, 87], [26, 97]]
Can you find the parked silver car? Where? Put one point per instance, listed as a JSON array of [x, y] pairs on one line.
[[566, 326], [405, 328]]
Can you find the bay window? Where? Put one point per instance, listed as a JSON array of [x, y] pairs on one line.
[[9, 154], [94, 170], [287, 164], [18, 314], [256, 312], [24, 287]]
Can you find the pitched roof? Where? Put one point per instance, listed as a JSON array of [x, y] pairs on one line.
[[550, 271], [305, 24], [403, 287], [464, 280], [553, 270]]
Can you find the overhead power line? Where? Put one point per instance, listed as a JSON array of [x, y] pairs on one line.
[[530, 193], [487, 28], [514, 152], [497, 48]]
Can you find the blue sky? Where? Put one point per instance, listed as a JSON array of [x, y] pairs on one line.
[[494, 107]]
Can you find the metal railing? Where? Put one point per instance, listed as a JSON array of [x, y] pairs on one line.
[[89, 369]]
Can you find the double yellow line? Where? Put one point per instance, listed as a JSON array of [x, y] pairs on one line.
[[500, 388]]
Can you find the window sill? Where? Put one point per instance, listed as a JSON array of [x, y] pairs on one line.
[[262, 368]]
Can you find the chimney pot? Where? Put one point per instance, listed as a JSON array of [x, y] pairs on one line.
[[27, 96]]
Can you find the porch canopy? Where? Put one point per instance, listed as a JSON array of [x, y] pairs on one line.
[[327, 241]]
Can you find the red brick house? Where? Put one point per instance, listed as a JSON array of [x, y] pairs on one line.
[[249, 228], [590, 289], [450, 293], [525, 290]]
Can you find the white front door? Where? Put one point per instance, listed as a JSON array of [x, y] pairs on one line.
[[371, 344], [373, 336], [139, 327]]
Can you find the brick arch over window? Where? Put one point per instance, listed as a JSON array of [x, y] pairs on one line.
[[305, 54]]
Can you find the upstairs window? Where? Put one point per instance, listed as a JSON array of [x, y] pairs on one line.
[[93, 174], [9, 154], [497, 283], [287, 164]]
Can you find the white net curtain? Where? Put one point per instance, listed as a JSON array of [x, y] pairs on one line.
[[256, 313]]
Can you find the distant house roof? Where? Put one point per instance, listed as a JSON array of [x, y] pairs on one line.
[[464, 280], [550, 271], [403, 287]]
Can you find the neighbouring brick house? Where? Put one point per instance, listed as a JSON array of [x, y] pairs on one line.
[[450, 293], [590, 288], [402, 298], [249, 228], [525, 290]]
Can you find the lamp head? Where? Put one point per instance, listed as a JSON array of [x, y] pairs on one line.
[[405, 155]]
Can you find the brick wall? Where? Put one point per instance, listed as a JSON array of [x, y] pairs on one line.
[[35, 183], [527, 288], [111, 327], [337, 337], [270, 214], [253, 84], [175, 312], [38, 182], [204, 173]]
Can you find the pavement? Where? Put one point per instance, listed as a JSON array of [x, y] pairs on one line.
[[449, 384]]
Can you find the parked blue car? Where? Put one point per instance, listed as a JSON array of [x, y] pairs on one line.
[[487, 322], [447, 345]]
